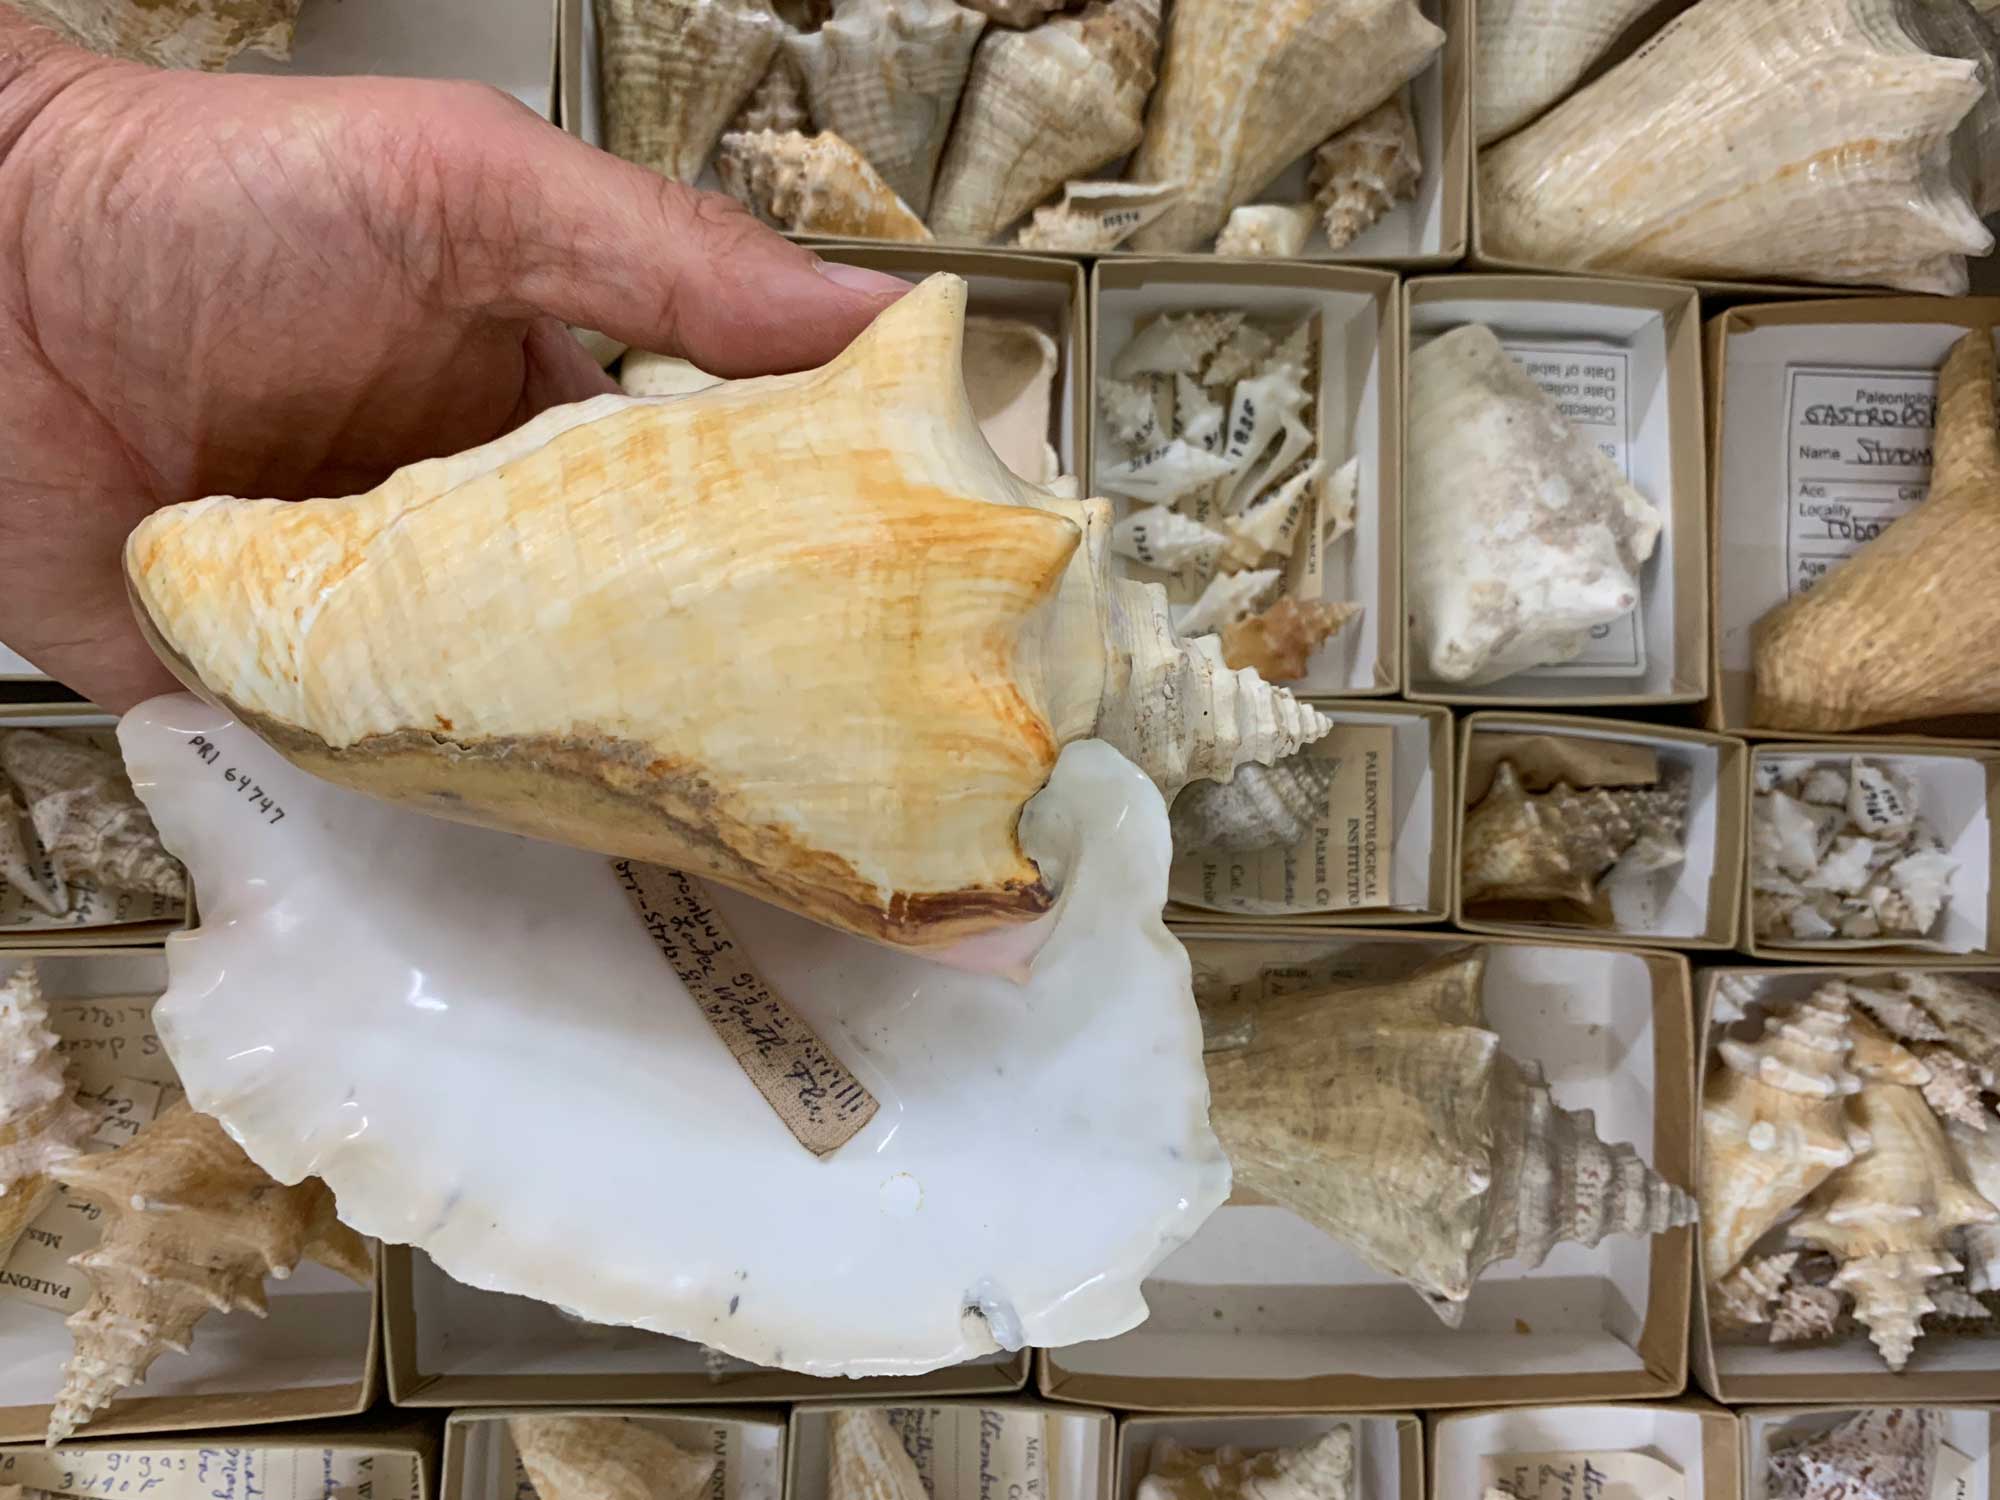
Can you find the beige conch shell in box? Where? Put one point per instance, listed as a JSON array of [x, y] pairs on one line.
[[1267, 231], [814, 184], [1386, 1114], [676, 71], [1809, 139], [866, 1459], [1094, 215], [1772, 1124], [1043, 107], [1261, 807], [804, 634], [607, 1458], [1555, 845], [1532, 51], [191, 1226], [1367, 169], [1889, 1216], [204, 34], [41, 1124], [1247, 90], [1906, 628], [1322, 1469]]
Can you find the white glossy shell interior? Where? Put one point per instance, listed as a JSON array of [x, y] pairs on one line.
[[473, 1039]]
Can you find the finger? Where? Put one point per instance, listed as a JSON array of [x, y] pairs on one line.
[[559, 370], [577, 234]]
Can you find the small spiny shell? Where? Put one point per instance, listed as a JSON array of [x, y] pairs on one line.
[[1553, 845], [204, 34], [1367, 169], [1966, 1012], [1229, 597], [1132, 412], [676, 71], [1166, 539], [1267, 530], [607, 1458], [1322, 1469], [814, 185], [1743, 1298], [1880, 1453], [1095, 215], [1042, 108], [867, 1460], [1279, 642], [777, 103], [1267, 231], [1952, 1091], [1805, 1312], [1164, 474], [1261, 807], [41, 1125]]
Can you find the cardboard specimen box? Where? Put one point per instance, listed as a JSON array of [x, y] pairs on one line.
[[1958, 789], [1429, 230], [1623, 361], [482, 1463], [1684, 1450], [972, 1450], [1694, 904], [1820, 417], [1388, 1446], [448, 1344], [21, 924], [1401, 833], [373, 1458], [1969, 1470], [1261, 1311], [1942, 1368], [1358, 388], [313, 1357]]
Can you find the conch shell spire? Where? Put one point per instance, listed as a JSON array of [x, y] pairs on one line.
[[191, 1225], [41, 1124], [691, 582]]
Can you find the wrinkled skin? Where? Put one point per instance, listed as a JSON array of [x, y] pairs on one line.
[[288, 287]]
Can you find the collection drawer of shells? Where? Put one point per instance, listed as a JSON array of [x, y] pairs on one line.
[[1245, 428], [955, 1450], [1849, 1177], [1579, 103], [1043, 125], [611, 1453], [376, 1461], [1322, 1456], [1587, 391], [1340, 1274], [1356, 827], [1870, 1452], [1572, 826], [1825, 419], [444, 1343], [131, 1219], [1636, 1451], [1872, 851]]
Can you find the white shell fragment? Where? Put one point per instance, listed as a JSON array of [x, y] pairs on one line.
[[1166, 539], [430, 968], [1267, 231], [1229, 597], [1177, 344], [1132, 412], [1010, 372], [1165, 473], [1337, 504], [1522, 535], [1095, 215]]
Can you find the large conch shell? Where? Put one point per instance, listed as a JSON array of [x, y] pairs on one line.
[[1887, 1217], [1901, 629], [885, 75], [694, 581], [1042, 107], [41, 1124], [191, 1226], [814, 184], [1772, 1124], [1387, 1115], [866, 1459], [204, 34], [676, 71], [1322, 1469], [1491, 594], [1532, 51], [1810, 139], [1879, 1453], [1245, 91], [428, 968], [1554, 845], [607, 1458]]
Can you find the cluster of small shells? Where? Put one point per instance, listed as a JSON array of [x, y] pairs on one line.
[[1840, 851], [980, 123], [1556, 845], [1322, 1469], [1850, 1161]]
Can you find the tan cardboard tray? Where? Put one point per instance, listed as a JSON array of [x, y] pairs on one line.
[[1790, 492], [1960, 786], [1359, 391], [1262, 1312], [375, 1458], [1430, 230], [1076, 1462], [448, 1344], [482, 1463], [1973, 1431], [1624, 361], [1696, 904], [1388, 1446], [1419, 826], [1940, 1369], [144, 930], [314, 1357], [1697, 1437]]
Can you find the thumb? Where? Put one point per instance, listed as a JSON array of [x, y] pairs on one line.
[[608, 245]]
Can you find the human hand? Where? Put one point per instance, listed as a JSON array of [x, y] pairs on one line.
[[289, 287]]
